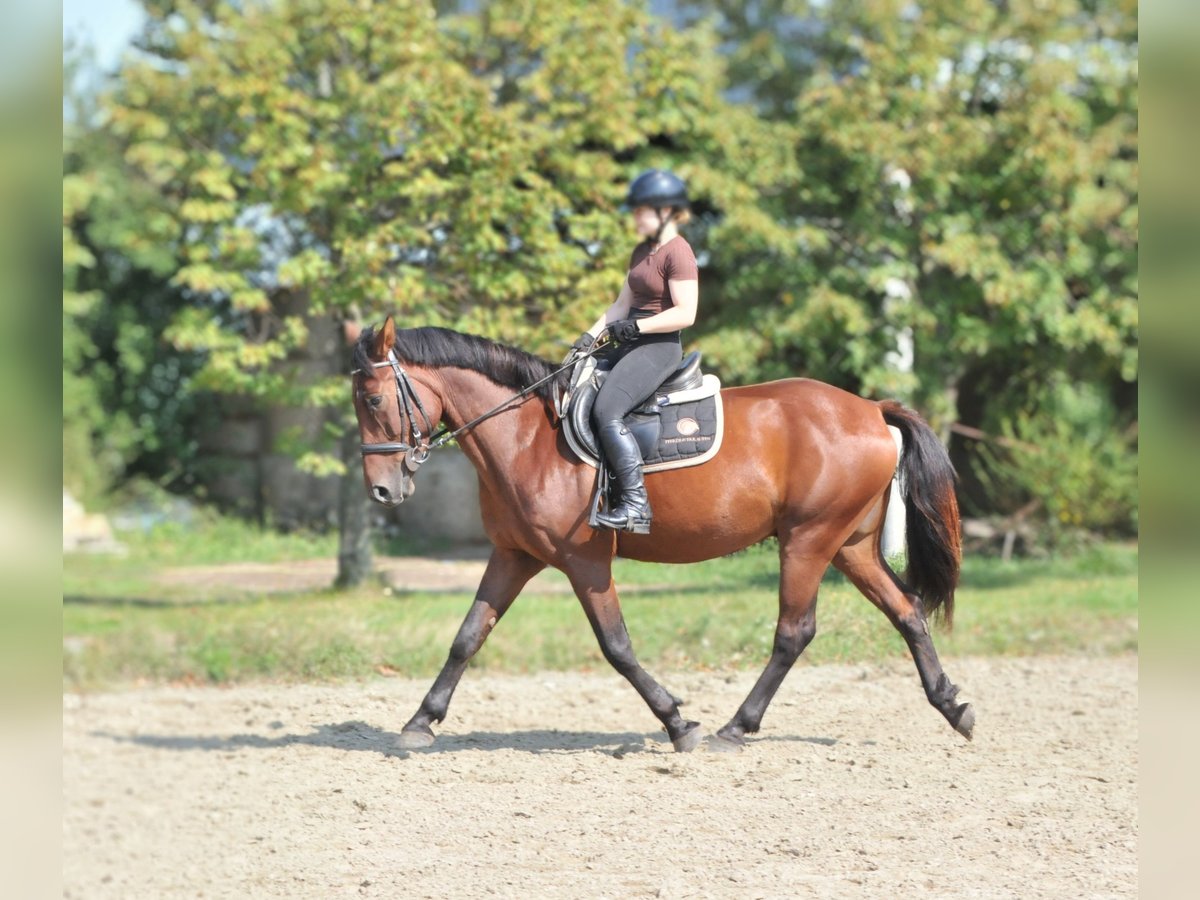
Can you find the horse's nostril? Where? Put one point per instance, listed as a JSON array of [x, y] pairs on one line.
[[380, 493]]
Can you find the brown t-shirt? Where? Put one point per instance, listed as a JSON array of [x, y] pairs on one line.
[[649, 274]]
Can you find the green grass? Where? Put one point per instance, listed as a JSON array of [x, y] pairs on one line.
[[213, 540], [120, 626], [221, 539]]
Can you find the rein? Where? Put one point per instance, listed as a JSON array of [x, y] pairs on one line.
[[416, 452]]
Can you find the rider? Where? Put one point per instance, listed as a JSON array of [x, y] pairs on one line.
[[656, 302]]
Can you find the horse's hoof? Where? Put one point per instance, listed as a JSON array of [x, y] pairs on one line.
[[726, 743], [689, 740], [415, 739], [966, 720]]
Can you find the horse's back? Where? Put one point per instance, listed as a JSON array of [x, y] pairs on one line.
[[824, 445], [806, 402]]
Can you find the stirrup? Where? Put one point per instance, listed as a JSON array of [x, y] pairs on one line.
[[634, 524], [630, 525]]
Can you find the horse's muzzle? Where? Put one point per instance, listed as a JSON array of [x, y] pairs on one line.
[[385, 496]]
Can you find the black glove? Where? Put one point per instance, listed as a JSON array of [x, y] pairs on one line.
[[582, 344], [625, 331]]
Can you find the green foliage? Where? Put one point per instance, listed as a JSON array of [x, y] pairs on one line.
[[351, 159], [981, 157], [961, 173], [1071, 459], [85, 472], [126, 408]]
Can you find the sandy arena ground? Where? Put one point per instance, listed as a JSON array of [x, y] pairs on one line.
[[560, 785]]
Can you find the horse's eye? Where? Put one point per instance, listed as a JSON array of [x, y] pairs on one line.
[[375, 402]]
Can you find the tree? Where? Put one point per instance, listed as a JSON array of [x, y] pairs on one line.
[[965, 173], [463, 171], [982, 154], [126, 408]]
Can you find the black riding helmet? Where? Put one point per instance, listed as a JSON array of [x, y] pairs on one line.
[[657, 188]]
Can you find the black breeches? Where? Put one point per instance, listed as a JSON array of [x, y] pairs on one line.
[[637, 372]]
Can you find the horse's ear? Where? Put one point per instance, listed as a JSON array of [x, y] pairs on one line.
[[350, 332], [385, 339]]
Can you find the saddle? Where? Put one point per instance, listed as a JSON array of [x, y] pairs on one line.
[[681, 425]]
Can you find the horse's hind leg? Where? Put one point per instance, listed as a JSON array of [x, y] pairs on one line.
[[507, 572], [598, 596], [864, 566], [800, 574]]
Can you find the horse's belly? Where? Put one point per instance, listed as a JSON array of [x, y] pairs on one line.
[[691, 529]]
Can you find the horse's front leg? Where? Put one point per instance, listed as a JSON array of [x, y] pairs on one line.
[[507, 572], [596, 592]]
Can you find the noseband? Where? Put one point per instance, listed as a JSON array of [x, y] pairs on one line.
[[416, 451]]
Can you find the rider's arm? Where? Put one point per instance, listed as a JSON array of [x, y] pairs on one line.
[[685, 295]]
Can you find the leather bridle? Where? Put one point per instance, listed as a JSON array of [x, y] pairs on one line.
[[417, 449]]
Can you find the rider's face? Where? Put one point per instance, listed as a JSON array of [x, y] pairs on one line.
[[645, 220]]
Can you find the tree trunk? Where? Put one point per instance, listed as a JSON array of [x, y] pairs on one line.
[[354, 522]]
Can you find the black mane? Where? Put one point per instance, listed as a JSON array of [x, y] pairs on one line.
[[438, 347]]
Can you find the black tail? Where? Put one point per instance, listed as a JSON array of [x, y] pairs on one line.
[[931, 523]]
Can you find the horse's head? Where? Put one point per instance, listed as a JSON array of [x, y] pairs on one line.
[[396, 414]]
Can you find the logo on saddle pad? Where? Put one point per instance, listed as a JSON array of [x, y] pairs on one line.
[[682, 425]]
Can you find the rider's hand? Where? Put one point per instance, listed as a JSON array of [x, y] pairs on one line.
[[625, 331], [582, 345]]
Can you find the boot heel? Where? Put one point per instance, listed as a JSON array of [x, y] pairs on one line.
[[637, 526]]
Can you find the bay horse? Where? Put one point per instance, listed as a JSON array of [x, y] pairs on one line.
[[803, 461]]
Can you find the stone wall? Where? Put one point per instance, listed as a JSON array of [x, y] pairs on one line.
[[248, 479], [445, 504], [244, 472]]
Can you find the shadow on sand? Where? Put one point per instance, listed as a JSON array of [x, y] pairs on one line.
[[358, 736]]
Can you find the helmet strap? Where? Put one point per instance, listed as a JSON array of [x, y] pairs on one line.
[[662, 223]]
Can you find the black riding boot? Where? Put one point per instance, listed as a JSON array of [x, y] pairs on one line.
[[632, 511]]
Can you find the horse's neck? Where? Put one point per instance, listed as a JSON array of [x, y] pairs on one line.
[[495, 445]]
